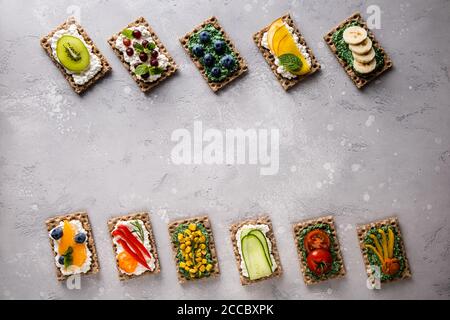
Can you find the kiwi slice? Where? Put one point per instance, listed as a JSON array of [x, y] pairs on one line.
[[72, 53]]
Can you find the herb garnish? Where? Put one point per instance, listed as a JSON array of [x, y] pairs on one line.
[[290, 62], [138, 230]]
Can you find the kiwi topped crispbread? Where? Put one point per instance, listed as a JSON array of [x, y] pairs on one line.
[[84, 219], [46, 45], [270, 58], [212, 247], [242, 66], [145, 218], [145, 85], [358, 80], [270, 237], [298, 228], [362, 232]]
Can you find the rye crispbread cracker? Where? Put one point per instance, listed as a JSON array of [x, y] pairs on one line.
[[362, 230], [298, 227], [270, 236], [212, 247], [285, 83], [359, 81], [242, 65], [171, 69], [84, 219], [105, 65], [145, 218]]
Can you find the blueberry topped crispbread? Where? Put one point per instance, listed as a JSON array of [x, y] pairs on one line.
[[286, 51], [214, 54], [143, 54], [194, 249], [72, 245], [357, 50], [75, 55]]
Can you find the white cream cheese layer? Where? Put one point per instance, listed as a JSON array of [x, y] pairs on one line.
[[281, 70], [150, 261], [95, 63], [264, 228], [163, 61], [72, 269]]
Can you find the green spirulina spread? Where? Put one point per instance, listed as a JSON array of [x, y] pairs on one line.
[[209, 48], [345, 53]]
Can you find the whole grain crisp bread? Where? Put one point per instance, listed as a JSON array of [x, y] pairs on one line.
[[145, 85], [212, 247], [359, 81], [45, 43], [270, 236], [285, 83], [298, 227], [83, 218], [362, 231], [242, 66], [145, 218]]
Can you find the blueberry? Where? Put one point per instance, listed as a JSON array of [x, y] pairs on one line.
[[61, 260], [219, 46], [57, 233], [227, 61], [80, 237], [204, 36], [198, 50], [208, 59], [215, 72]]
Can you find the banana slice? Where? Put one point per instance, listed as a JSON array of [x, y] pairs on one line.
[[364, 68], [354, 35], [364, 58], [361, 48]]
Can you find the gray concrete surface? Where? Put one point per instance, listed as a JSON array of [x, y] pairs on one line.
[[360, 155]]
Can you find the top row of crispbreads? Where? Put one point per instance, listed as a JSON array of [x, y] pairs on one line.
[[212, 51]]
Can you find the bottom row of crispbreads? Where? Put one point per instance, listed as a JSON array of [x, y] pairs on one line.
[[254, 247]]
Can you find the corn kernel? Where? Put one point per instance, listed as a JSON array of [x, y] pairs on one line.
[[187, 231], [180, 236], [204, 261], [202, 246], [182, 246], [202, 268], [202, 239], [182, 264], [189, 263], [209, 267], [192, 226], [191, 255], [188, 248]]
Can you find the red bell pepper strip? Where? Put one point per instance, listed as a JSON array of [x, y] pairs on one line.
[[134, 255], [131, 238], [137, 252]]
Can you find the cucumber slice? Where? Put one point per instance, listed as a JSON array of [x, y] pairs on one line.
[[260, 235], [255, 258]]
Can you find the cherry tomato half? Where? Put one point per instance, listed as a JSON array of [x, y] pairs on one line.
[[316, 239], [319, 261]]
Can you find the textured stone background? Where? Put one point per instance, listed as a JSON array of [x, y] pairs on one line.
[[360, 155]]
